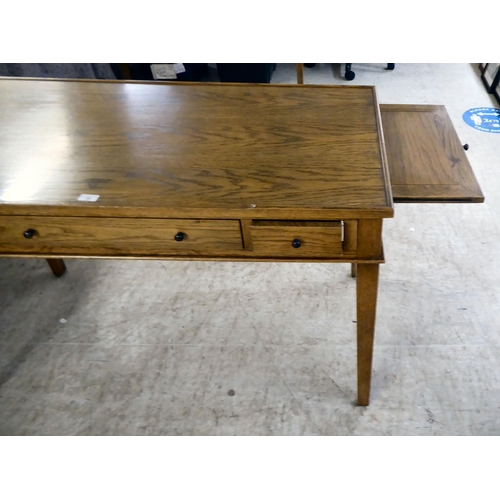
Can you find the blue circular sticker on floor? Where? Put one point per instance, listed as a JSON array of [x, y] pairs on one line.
[[484, 119]]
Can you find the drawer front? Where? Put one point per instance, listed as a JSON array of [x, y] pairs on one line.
[[297, 238], [120, 237]]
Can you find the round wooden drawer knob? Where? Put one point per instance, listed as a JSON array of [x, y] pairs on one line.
[[179, 236], [296, 243], [29, 233]]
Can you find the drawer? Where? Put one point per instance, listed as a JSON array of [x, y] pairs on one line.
[[296, 238], [117, 236]]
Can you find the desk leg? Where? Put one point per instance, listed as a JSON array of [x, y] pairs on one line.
[[354, 270], [366, 304], [300, 72], [57, 265]]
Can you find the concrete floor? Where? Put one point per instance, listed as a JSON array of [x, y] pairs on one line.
[[154, 347]]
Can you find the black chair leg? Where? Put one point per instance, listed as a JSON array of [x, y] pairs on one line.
[[349, 74]]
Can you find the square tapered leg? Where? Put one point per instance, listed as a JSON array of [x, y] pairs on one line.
[[366, 299]]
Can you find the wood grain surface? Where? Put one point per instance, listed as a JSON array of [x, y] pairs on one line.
[[190, 150], [426, 160]]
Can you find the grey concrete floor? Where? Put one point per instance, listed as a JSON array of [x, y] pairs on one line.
[[154, 348]]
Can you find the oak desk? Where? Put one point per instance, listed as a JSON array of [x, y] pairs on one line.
[[197, 171]]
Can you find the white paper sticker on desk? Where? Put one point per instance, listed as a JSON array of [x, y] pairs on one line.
[[88, 197]]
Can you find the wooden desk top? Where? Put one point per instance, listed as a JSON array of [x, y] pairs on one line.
[[191, 150]]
